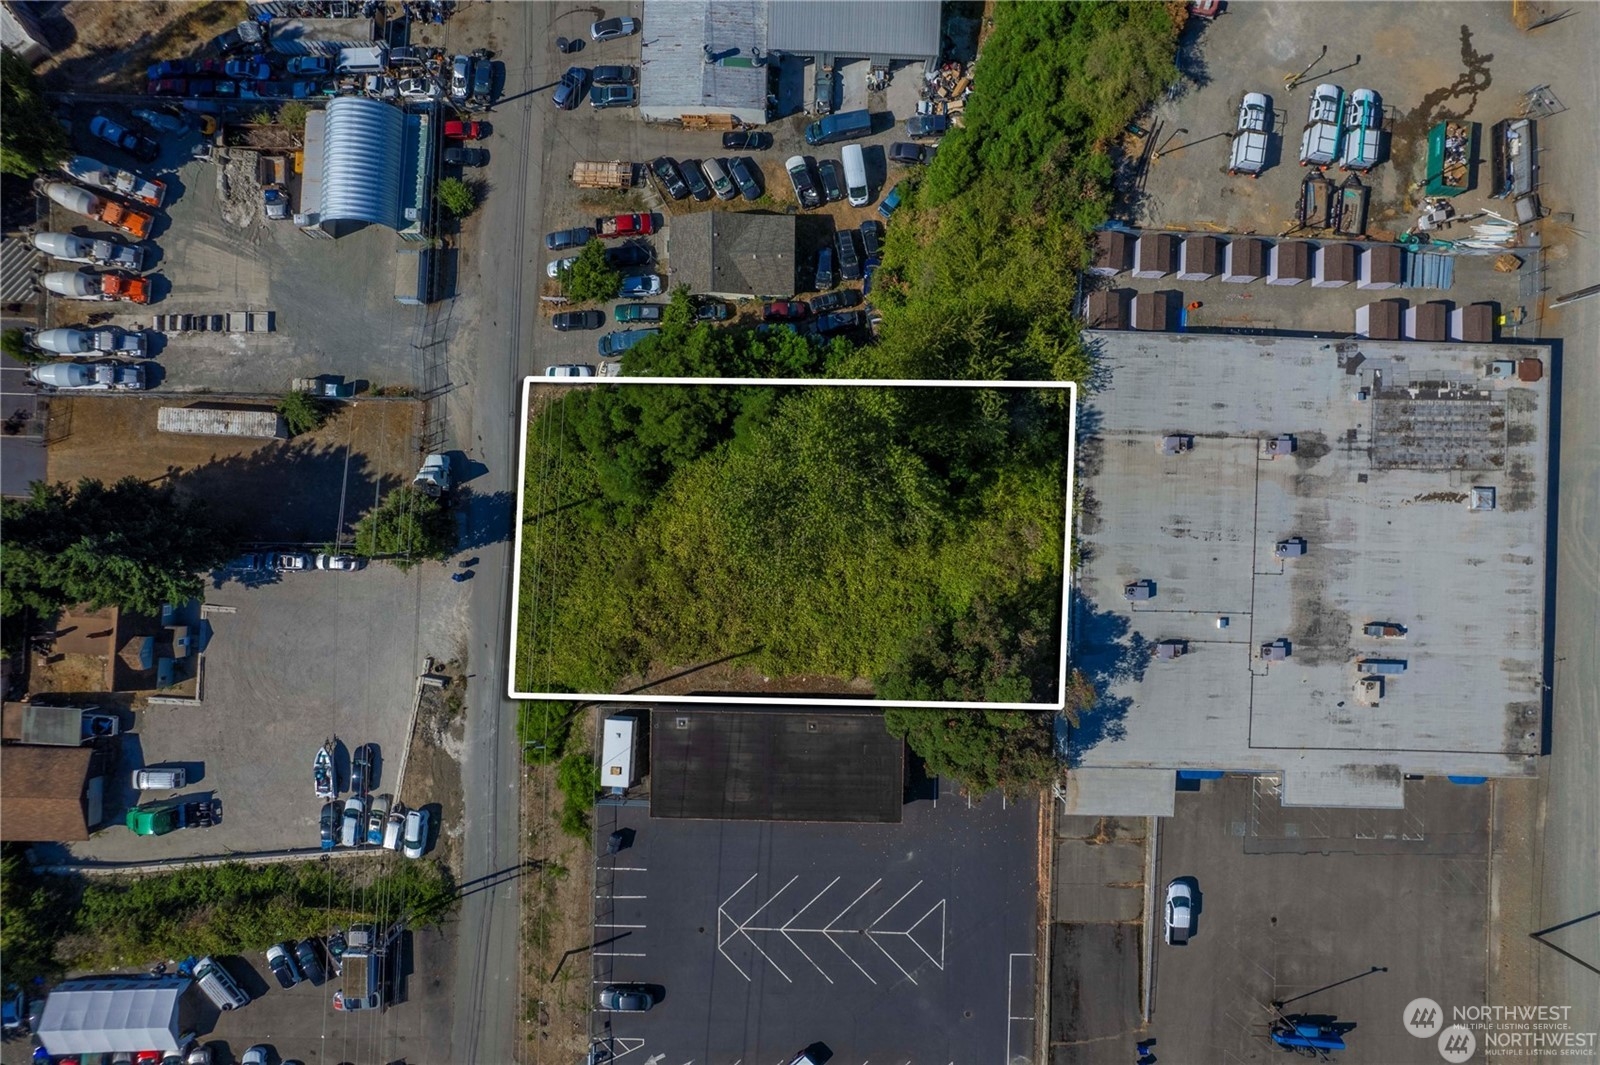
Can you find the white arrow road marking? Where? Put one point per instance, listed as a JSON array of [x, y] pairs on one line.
[[874, 931]]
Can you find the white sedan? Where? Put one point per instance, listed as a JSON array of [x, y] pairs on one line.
[[555, 268], [416, 837], [343, 562]]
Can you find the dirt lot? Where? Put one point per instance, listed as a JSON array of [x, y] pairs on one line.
[[307, 490], [557, 908], [102, 47], [433, 762]]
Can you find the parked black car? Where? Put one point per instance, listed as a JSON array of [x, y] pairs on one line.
[[610, 75], [309, 955], [744, 176], [838, 300], [824, 278], [828, 170], [906, 152], [871, 236], [666, 172], [805, 189], [747, 141], [570, 320], [849, 260], [466, 157], [361, 768], [624, 255], [837, 322], [709, 310], [692, 176]]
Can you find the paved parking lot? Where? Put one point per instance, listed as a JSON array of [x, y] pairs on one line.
[[910, 942], [287, 665], [1297, 906]]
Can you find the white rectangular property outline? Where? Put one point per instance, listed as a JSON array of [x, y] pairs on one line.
[[528, 384]]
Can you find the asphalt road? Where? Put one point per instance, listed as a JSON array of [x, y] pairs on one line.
[[1569, 814], [483, 419]]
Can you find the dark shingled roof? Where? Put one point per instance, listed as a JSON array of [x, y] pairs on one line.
[[42, 790], [1108, 308], [777, 764], [734, 254]]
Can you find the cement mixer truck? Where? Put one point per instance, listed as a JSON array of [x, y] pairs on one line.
[[124, 183], [133, 221], [95, 251], [83, 285]]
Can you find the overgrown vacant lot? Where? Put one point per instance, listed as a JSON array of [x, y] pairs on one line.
[[910, 536]]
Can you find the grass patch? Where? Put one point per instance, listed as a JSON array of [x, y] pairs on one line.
[[237, 908]]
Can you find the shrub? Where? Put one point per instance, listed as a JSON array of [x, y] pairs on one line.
[[591, 277], [408, 527], [292, 115], [579, 780], [15, 347], [31, 139], [302, 413], [456, 196]]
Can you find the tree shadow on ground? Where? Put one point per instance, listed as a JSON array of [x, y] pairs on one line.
[[486, 517], [290, 492]]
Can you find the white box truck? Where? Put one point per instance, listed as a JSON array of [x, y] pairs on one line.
[[617, 764]]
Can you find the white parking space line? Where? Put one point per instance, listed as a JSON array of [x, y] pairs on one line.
[[602, 895], [1013, 1019], [613, 924]]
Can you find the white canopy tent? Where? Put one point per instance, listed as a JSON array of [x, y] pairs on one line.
[[102, 1015]]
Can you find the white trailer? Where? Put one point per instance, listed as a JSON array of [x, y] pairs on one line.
[[617, 763], [1319, 144], [1363, 127]]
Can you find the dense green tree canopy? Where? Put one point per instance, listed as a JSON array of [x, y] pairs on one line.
[[31, 139], [408, 527], [591, 277], [130, 545]]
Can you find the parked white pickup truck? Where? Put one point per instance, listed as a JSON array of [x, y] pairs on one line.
[[1249, 154]]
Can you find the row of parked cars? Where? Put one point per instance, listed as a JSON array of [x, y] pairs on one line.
[[375, 821], [287, 561]]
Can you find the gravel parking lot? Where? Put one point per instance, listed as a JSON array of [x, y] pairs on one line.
[[287, 665], [332, 300], [1425, 61], [619, 134]]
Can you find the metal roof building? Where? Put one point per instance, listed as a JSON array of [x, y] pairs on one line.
[[103, 1015], [882, 31], [735, 255], [717, 57], [362, 148], [679, 79]]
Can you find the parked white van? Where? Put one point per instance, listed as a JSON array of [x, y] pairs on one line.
[[218, 986], [855, 175]]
